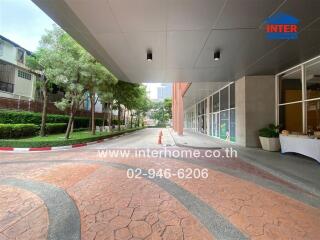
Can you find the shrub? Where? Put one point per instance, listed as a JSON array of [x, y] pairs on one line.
[[18, 130], [15, 117], [271, 131], [52, 128]]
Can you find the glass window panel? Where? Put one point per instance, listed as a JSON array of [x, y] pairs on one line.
[[210, 125], [313, 79], [204, 117], [313, 115], [216, 102], [290, 117], [210, 105], [224, 124], [224, 99], [290, 86], [232, 95], [202, 107], [215, 125], [232, 125], [205, 107]]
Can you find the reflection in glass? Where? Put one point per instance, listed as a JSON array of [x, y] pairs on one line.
[[224, 124], [232, 125], [313, 79], [232, 95], [216, 102], [290, 117], [290, 86], [313, 115], [224, 99]]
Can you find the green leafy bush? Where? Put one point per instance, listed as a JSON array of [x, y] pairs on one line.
[[8, 131], [58, 139], [16, 117], [272, 131], [52, 128]]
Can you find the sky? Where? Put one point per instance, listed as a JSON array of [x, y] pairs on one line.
[[24, 23]]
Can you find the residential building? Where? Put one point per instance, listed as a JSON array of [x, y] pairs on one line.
[[164, 91], [16, 80]]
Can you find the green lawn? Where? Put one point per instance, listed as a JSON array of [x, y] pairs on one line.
[[59, 140]]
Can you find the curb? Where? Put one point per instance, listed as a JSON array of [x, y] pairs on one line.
[[40, 149]]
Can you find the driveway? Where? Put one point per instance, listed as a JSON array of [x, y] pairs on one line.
[[131, 187]]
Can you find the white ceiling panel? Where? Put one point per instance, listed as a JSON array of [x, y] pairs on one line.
[[233, 46], [183, 47], [246, 13], [117, 46], [95, 14], [140, 15], [183, 35], [140, 42], [145, 75], [193, 14]]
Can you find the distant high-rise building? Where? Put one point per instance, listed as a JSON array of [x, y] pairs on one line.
[[164, 91]]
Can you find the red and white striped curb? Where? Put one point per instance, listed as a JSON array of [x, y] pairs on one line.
[[39, 149]]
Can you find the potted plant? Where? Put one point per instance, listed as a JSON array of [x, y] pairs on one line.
[[269, 138]]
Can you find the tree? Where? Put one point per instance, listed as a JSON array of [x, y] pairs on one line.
[[124, 94], [168, 106], [44, 61], [143, 104], [70, 77], [95, 77], [161, 111]]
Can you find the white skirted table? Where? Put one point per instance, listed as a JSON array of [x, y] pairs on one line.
[[301, 144]]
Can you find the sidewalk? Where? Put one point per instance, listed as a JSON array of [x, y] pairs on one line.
[[299, 170]]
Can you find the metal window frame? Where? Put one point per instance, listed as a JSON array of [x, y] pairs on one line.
[[302, 68]]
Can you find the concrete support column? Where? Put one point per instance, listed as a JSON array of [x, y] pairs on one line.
[[255, 107], [179, 89]]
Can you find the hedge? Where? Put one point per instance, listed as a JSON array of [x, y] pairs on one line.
[[8, 131], [15, 117], [52, 128], [58, 141]]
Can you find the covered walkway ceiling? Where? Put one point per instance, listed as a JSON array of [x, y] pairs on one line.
[[183, 35]]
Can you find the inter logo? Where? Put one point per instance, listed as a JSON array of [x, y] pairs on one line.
[[282, 26]]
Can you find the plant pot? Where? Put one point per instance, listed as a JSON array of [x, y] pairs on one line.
[[270, 144]]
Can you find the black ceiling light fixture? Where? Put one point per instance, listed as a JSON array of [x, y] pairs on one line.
[[149, 55], [216, 55]]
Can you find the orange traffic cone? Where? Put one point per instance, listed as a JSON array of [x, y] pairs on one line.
[[160, 139]]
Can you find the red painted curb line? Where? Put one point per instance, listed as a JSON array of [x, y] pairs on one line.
[[79, 145], [6, 149], [40, 149], [11, 149]]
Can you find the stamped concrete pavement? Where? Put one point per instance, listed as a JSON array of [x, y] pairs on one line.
[[148, 197]]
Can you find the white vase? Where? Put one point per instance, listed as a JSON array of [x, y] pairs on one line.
[[270, 144]]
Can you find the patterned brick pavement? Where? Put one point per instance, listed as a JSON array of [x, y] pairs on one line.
[[111, 206], [22, 215]]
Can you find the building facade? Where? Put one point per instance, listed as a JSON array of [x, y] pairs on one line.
[[236, 111], [16, 80], [164, 91]]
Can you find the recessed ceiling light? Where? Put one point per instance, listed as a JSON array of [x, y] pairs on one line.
[[149, 55], [216, 55]]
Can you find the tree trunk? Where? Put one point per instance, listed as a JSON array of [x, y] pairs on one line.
[[119, 117], [124, 116], [138, 120], [104, 116], [131, 119], [110, 116], [70, 123], [93, 122], [44, 111]]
